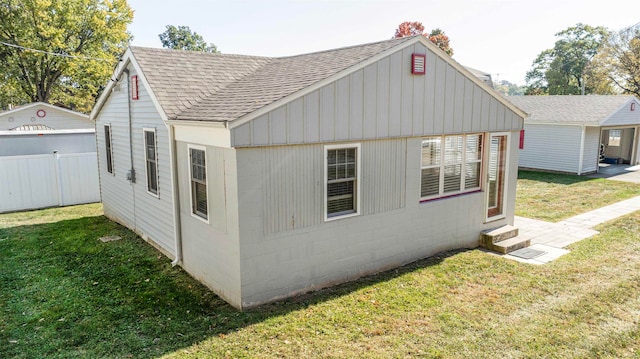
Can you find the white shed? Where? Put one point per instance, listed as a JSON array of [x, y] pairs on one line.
[[268, 177], [572, 134], [47, 158]]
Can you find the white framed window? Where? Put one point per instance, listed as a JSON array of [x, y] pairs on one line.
[[151, 160], [342, 181], [614, 137], [198, 177], [108, 148], [450, 165]]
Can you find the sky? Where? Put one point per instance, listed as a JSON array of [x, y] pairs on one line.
[[501, 37]]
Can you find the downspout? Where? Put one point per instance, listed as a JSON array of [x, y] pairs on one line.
[[582, 138], [131, 176], [177, 230]]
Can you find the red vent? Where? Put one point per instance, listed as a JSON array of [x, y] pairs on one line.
[[521, 146], [134, 87], [418, 64], [633, 106]]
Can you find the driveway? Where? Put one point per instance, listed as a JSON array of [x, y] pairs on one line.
[[625, 173]]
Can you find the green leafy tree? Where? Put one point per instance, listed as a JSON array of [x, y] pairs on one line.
[[620, 60], [437, 36], [60, 51], [562, 70], [182, 38], [507, 88]]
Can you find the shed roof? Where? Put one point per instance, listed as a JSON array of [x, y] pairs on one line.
[[569, 109], [201, 86]]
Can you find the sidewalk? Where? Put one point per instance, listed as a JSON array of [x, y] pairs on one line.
[[550, 238]]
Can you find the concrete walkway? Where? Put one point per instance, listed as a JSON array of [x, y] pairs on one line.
[[552, 238]]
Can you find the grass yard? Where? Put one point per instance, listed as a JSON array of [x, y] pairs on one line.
[[64, 294], [553, 197]]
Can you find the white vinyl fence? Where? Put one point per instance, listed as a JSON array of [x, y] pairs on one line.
[[38, 181]]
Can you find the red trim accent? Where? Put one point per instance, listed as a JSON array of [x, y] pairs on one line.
[[41, 113], [633, 106], [134, 87], [521, 146], [417, 70]]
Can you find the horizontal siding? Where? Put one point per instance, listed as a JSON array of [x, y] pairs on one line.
[[591, 150], [56, 119], [383, 100], [553, 148], [149, 215], [624, 116], [23, 145]]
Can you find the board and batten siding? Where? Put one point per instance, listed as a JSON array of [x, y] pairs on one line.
[[294, 182], [210, 249], [551, 147], [149, 215], [394, 227], [383, 100]]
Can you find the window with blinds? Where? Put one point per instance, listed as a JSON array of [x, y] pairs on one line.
[[151, 160], [450, 165], [342, 178], [198, 169]]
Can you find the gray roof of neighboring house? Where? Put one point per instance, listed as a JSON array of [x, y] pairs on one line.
[[590, 109], [218, 87], [484, 76]]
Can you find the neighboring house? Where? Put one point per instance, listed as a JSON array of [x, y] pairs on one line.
[[40, 128], [269, 177], [566, 133], [47, 158]]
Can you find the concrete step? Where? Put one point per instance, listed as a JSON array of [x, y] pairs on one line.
[[500, 234], [509, 245]]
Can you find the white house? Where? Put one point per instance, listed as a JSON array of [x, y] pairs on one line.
[[566, 133], [47, 158], [269, 177]]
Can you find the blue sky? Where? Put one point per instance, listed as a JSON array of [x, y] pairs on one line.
[[497, 36]]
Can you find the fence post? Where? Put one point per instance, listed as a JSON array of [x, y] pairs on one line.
[[56, 158]]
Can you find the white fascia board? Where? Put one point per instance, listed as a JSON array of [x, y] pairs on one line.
[[47, 132]]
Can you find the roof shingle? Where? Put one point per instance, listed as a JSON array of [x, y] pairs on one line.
[[590, 109], [219, 87]]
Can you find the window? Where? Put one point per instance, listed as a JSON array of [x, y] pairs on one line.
[[342, 164], [109, 151], [614, 137], [151, 160], [450, 165], [198, 173]]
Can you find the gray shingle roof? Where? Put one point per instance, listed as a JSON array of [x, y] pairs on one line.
[[219, 87], [590, 109]]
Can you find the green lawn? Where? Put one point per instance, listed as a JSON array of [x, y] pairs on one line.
[[554, 197], [64, 294]]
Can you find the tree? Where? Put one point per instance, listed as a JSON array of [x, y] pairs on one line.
[[562, 70], [507, 88], [182, 38], [60, 51], [437, 36], [620, 59]]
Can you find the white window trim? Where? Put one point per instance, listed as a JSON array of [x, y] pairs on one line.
[[487, 143], [155, 144], [113, 168], [441, 193], [202, 148], [358, 147]]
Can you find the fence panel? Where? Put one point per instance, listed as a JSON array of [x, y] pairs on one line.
[[38, 181]]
